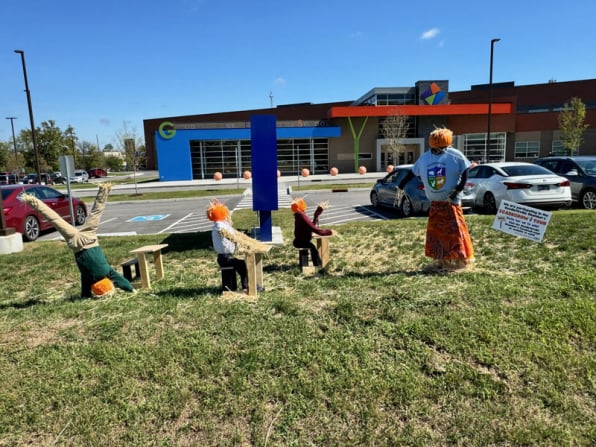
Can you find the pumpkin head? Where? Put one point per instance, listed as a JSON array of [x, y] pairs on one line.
[[440, 138], [298, 205], [217, 211], [102, 288]]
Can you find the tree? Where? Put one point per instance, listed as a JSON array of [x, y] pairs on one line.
[[113, 163], [130, 149], [394, 129], [4, 156], [572, 124], [51, 143]]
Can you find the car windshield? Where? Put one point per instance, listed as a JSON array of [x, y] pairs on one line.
[[519, 170], [589, 166]]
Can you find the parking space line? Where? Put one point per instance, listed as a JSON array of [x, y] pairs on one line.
[[175, 223]]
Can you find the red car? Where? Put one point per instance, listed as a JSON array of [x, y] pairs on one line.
[[97, 173], [29, 222]]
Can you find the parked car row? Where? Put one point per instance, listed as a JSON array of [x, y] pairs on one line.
[[547, 183], [79, 176], [28, 221]]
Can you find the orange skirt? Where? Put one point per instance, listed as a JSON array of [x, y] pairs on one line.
[[447, 236]]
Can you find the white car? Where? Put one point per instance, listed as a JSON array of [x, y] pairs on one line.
[[79, 176], [525, 183]]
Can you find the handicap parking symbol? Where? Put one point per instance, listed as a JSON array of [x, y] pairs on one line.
[[148, 218]]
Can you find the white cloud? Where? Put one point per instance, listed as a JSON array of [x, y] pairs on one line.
[[430, 34], [357, 35], [280, 81]]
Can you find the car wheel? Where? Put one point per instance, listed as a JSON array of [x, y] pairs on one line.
[[406, 207], [31, 228], [80, 215], [588, 199], [489, 203], [374, 199]]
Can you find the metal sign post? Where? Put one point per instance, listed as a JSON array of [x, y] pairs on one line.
[[66, 163]]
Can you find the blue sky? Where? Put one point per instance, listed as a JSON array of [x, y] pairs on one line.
[[104, 66]]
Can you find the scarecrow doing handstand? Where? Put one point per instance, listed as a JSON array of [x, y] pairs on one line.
[[97, 276]]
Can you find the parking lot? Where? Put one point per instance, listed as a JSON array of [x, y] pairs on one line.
[[188, 215]]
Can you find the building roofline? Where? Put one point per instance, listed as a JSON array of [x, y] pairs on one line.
[[420, 110]]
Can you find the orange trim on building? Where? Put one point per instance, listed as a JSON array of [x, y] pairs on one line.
[[421, 110]]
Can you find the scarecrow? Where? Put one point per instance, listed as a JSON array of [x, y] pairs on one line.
[[227, 241], [98, 278], [443, 170], [304, 228]]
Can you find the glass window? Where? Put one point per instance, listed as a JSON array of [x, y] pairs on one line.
[[526, 149], [557, 148], [475, 148]]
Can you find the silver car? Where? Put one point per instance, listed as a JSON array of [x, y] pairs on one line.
[[525, 183], [413, 201], [79, 176]]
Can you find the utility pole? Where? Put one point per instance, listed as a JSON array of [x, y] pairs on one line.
[[490, 101], [14, 140], [33, 138]]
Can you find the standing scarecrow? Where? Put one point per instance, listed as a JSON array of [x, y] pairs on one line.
[[97, 276], [443, 170]]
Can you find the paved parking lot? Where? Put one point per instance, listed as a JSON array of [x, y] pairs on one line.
[[188, 215]]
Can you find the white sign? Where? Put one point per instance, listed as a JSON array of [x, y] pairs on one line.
[[520, 220]]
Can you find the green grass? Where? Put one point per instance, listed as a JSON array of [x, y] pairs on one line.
[[373, 353]]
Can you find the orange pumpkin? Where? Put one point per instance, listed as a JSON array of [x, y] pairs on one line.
[[102, 288], [217, 211], [440, 138], [298, 205]]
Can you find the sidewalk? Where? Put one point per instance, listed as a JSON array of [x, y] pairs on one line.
[[239, 183]]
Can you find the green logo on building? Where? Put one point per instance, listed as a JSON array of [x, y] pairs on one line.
[[167, 130]]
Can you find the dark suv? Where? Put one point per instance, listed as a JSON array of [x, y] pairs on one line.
[[30, 179], [8, 178], [580, 171]]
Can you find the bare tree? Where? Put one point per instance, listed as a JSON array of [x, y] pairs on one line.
[[394, 129], [127, 134], [572, 124]]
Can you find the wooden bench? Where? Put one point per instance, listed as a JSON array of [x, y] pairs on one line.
[[127, 269], [254, 267], [142, 253], [322, 244]]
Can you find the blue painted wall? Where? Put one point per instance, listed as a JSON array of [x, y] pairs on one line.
[[173, 154]]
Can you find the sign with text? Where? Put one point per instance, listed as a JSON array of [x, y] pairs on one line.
[[520, 220]]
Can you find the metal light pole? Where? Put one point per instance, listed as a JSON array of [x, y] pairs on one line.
[[14, 140], [33, 138], [490, 100]]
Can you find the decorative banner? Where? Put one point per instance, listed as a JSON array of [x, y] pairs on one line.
[[520, 220]]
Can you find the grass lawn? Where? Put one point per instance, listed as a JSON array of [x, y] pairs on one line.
[[374, 353]]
